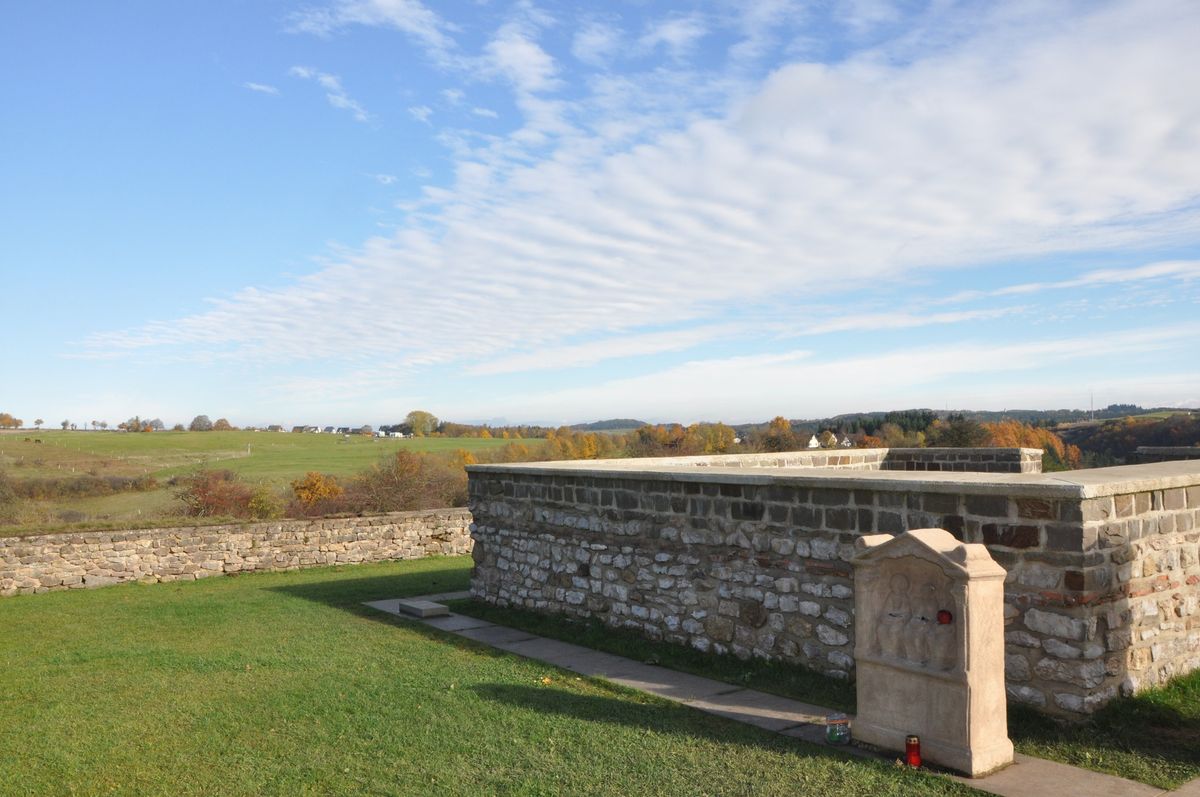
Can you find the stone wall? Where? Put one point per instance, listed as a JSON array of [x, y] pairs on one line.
[[99, 558], [1166, 453], [1101, 592]]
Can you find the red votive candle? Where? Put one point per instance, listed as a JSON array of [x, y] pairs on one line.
[[912, 751]]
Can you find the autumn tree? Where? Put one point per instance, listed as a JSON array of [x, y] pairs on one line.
[[827, 439], [222, 425], [894, 435], [778, 436], [7, 421], [200, 423], [421, 422], [315, 488], [958, 431], [1056, 455]]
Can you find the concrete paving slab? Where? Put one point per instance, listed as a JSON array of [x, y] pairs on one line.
[[391, 606], [1189, 789], [422, 608], [551, 651], [758, 708], [456, 622], [596, 664], [1037, 777], [671, 684], [496, 635]]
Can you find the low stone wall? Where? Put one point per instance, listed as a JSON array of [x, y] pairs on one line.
[[99, 558], [1166, 453], [1101, 592]]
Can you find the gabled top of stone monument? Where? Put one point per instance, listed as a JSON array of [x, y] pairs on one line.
[[937, 545]]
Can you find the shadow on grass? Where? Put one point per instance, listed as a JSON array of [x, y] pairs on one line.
[[1153, 737], [788, 680], [655, 715], [349, 593]]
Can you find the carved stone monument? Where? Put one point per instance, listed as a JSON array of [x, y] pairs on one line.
[[929, 612]]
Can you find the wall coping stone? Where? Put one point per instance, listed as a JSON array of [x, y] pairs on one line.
[[248, 527], [1080, 484]]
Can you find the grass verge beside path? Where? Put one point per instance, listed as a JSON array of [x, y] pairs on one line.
[[1153, 738], [283, 683], [780, 679]]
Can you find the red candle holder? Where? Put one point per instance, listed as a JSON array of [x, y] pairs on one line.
[[912, 751]]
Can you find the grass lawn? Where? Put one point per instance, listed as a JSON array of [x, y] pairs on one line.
[[283, 684], [1153, 738]]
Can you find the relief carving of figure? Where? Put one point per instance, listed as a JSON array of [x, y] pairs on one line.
[[921, 624], [894, 622]]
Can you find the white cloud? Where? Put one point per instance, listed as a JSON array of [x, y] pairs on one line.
[[863, 16], [514, 54], [679, 35], [486, 113], [421, 113], [764, 385], [408, 16], [760, 23], [890, 319], [453, 96], [384, 179], [261, 88], [595, 43], [1167, 269], [1066, 138], [334, 93], [583, 354]]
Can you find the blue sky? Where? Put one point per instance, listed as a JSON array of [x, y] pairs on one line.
[[338, 211]]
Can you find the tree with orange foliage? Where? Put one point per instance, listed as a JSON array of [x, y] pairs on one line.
[[1014, 434], [316, 487]]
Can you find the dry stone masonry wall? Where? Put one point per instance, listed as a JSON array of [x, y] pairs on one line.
[[99, 558], [1100, 593]]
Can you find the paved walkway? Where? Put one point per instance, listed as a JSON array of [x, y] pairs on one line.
[[1027, 777]]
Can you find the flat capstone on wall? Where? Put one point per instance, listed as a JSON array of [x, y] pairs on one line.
[[1101, 592]]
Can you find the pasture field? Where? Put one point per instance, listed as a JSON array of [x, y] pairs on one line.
[[275, 458], [284, 683]]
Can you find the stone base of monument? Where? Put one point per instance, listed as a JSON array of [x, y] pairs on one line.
[[929, 652], [933, 709]]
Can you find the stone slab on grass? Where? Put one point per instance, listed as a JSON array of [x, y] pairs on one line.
[[1037, 777], [671, 684], [496, 635], [761, 709], [422, 608], [455, 623]]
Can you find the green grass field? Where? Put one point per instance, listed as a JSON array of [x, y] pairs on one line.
[[272, 457], [261, 455], [1153, 737], [284, 683]]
